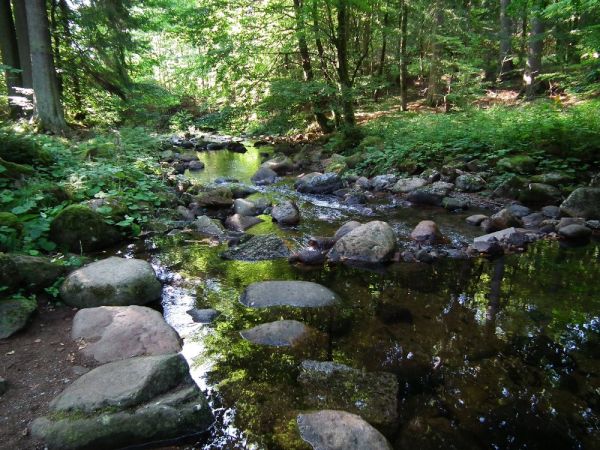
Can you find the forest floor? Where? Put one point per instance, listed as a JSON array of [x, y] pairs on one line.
[[37, 363]]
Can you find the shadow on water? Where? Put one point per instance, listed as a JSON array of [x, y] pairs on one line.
[[488, 354]]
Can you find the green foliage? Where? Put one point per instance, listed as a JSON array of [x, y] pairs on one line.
[[557, 137]]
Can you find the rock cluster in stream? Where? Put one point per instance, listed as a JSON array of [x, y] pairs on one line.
[[140, 390]]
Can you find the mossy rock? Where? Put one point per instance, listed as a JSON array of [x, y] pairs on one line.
[[10, 279], [354, 160], [14, 170], [372, 142], [22, 149], [337, 164], [517, 164], [79, 229], [14, 314]]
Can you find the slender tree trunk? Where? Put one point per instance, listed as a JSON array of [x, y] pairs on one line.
[[341, 44], [74, 69], [318, 104], [23, 42], [55, 35], [10, 55], [506, 62], [534, 57], [381, 68], [403, 11], [524, 26], [433, 84], [48, 108]]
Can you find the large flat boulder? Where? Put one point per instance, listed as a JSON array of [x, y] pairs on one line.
[[339, 430], [176, 414], [112, 333], [111, 282], [302, 294], [583, 202], [331, 385], [371, 243], [282, 333], [258, 248], [319, 183]]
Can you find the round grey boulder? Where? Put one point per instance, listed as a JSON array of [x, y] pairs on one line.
[[111, 282], [371, 243], [575, 232], [469, 182], [303, 294], [282, 333], [112, 333], [427, 232], [339, 430], [583, 202], [286, 213]]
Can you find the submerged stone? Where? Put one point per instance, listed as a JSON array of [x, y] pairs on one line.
[[112, 333], [203, 315], [111, 282], [339, 430], [302, 294], [371, 395], [282, 333], [258, 248]]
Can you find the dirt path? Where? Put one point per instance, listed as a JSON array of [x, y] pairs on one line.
[[38, 363]]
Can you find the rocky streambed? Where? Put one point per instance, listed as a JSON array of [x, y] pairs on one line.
[[318, 311]]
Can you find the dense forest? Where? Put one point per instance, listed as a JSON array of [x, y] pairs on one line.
[[424, 176]]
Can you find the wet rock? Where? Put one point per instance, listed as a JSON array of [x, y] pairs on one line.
[[476, 219], [363, 183], [371, 395], [112, 333], [319, 183], [303, 294], [430, 195], [490, 248], [575, 232], [185, 213], [339, 430], [286, 213], [236, 147], [241, 223], [405, 185], [208, 226], [431, 175], [518, 211], [220, 197], [373, 242], [503, 219], [264, 176], [282, 333], [548, 226], [565, 221], [215, 146], [33, 273], [497, 236], [383, 182], [553, 178], [455, 204], [323, 243], [181, 142], [593, 224], [551, 211], [168, 414], [258, 248], [281, 165], [196, 165], [241, 190], [309, 256], [111, 282], [427, 232], [346, 228], [3, 385], [540, 194], [78, 228], [510, 188], [583, 202], [533, 220], [203, 315], [244, 207], [14, 314], [469, 182]]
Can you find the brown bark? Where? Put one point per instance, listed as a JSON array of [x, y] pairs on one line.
[[341, 44], [433, 85], [23, 42], [506, 62], [403, 60], [533, 66], [10, 55]]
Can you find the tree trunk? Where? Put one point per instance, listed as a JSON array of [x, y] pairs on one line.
[[48, 109], [506, 62], [433, 84], [534, 57], [23, 43], [10, 55], [318, 104], [56, 45], [74, 69], [341, 44], [403, 11]]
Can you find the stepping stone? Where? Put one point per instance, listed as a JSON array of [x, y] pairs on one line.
[[111, 282], [112, 333], [476, 219], [339, 430], [282, 333], [203, 315], [331, 385], [498, 235], [123, 384], [238, 222], [302, 294], [258, 248]]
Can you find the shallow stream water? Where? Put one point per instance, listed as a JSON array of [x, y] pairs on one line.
[[500, 353]]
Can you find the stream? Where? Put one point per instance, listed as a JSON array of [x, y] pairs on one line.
[[500, 353]]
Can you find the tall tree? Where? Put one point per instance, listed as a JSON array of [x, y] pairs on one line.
[[341, 44], [23, 43], [309, 77], [10, 54], [535, 49], [403, 16], [48, 108], [506, 62], [433, 83]]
